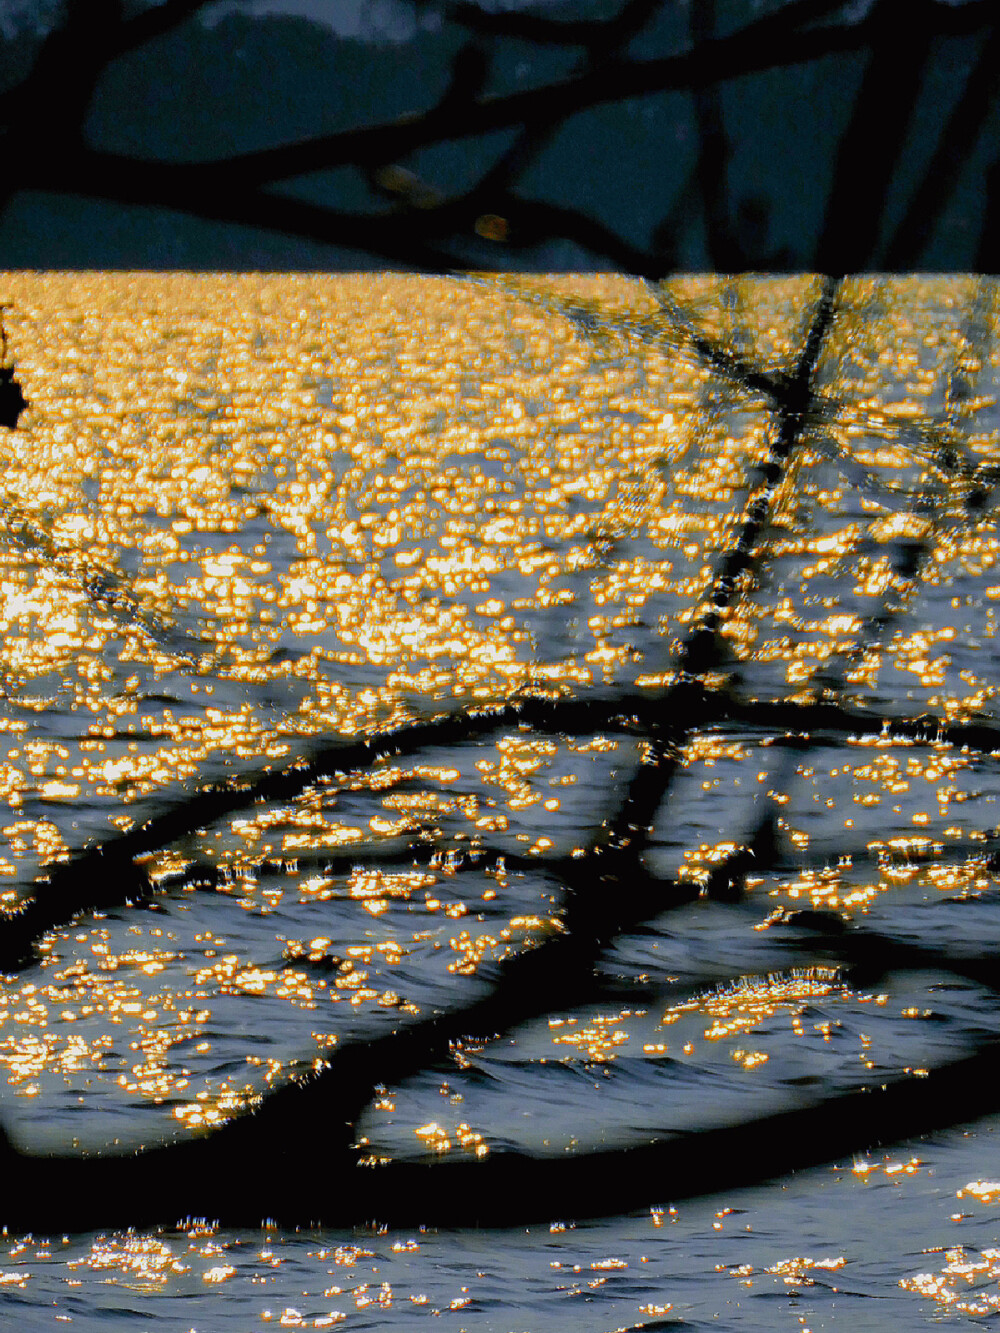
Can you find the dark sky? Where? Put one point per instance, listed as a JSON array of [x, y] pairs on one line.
[[839, 137]]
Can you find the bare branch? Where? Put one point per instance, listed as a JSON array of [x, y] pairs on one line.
[[869, 149], [713, 154], [47, 159], [754, 48], [988, 253], [615, 34], [957, 140], [90, 36]]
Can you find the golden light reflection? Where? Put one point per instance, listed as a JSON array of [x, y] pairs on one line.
[[270, 413], [438, 1139], [596, 1038], [889, 1167], [144, 1263], [246, 513], [965, 1284], [268, 407], [198, 1255], [744, 1006], [986, 1191], [795, 1272]]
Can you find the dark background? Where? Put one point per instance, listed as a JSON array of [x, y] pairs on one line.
[[641, 135]]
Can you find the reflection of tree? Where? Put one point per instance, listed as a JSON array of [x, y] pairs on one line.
[[238, 1173], [295, 1158], [495, 221]]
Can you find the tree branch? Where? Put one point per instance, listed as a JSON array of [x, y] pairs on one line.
[[754, 48], [956, 143]]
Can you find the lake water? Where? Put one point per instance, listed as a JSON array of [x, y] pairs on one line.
[[266, 525]]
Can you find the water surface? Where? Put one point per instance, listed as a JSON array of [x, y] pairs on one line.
[[249, 520]]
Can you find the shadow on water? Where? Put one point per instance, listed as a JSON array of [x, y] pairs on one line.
[[926, 493]]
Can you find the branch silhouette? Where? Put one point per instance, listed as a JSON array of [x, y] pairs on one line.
[[43, 120], [607, 891]]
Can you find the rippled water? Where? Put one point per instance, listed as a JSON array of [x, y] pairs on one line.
[[256, 532]]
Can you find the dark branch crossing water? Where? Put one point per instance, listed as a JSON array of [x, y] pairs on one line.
[[560, 789]]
